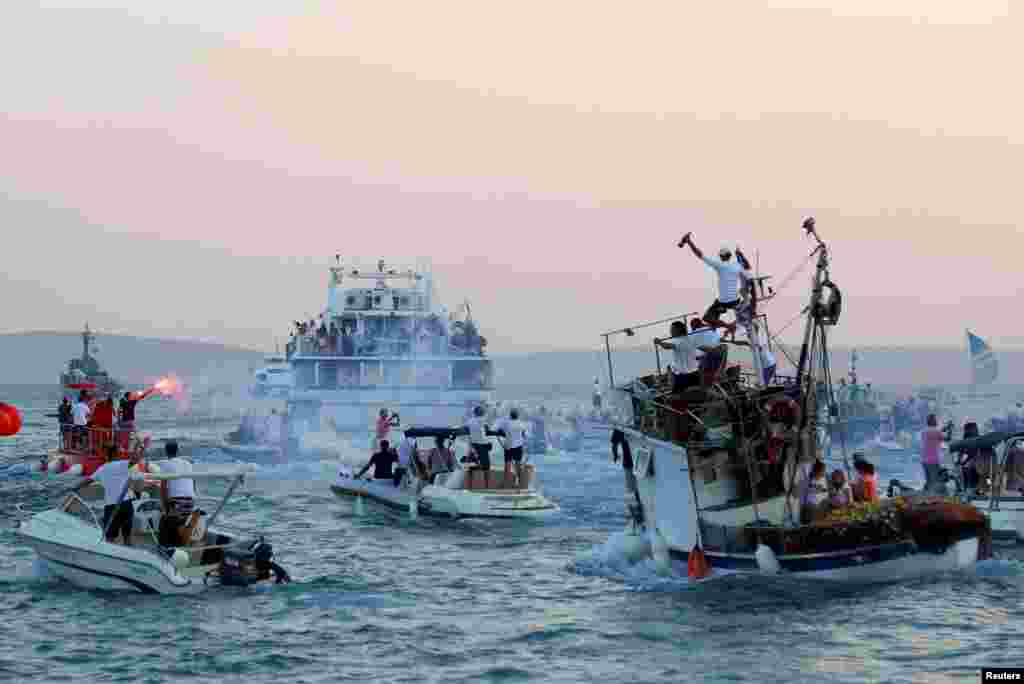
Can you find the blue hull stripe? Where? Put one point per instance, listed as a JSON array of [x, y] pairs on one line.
[[144, 588], [810, 562]]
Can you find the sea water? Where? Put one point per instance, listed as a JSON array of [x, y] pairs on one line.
[[382, 597]]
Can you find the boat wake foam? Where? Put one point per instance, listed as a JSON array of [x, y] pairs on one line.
[[630, 558]]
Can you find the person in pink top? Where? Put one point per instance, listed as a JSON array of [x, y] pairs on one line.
[[931, 450], [384, 424]]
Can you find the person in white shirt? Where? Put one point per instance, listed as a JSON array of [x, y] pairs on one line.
[[684, 353], [729, 273], [406, 456], [177, 496], [80, 413], [516, 432], [115, 478], [481, 446]]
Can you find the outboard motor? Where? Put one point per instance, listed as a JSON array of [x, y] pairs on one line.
[[244, 566]]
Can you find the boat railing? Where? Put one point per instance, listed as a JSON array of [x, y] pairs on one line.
[[631, 331], [75, 498], [340, 347], [94, 441]]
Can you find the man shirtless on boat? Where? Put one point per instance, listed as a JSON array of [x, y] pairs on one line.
[[729, 273], [382, 462]]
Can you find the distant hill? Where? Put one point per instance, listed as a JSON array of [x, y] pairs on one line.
[[38, 357]]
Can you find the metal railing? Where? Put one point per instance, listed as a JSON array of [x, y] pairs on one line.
[[380, 347], [93, 441]]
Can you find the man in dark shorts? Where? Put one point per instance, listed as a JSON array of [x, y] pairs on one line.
[[383, 463], [114, 477], [515, 439], [481, 445]]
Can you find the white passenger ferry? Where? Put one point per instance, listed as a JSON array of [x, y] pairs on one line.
[[385, 341]]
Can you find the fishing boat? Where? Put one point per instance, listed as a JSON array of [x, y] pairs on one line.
[[859, 419], [72, 542], [461, 493], [85, 372], [385, 341], [720, 467]]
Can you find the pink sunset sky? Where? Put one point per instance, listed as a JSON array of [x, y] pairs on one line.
[[189, 172]]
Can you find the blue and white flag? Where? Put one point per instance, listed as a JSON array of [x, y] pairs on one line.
[[984, 365]]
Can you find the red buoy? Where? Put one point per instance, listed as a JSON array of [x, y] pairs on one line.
[[697, 566], [10, 420]]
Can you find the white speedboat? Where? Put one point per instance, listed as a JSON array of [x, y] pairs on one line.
[[456, 494], [71, 541], [999, 457]]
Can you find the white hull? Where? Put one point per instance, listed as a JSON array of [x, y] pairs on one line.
[[74, 551], [1007, 519], [262, 452], [663, 484], [442, 501]]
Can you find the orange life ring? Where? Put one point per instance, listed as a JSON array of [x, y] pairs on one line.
[[783, 409]]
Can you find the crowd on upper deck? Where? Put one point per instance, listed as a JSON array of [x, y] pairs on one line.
[[386, 336]]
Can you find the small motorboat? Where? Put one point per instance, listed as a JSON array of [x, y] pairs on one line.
[[996, 485], [463, 492], [71, 541]]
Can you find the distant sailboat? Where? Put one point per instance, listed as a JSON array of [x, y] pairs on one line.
[[984, 365]]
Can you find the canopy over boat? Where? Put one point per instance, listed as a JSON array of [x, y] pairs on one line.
[[416, 432], [984, 441], [205, 474]]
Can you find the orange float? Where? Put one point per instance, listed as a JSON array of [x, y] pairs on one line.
[[10, 420], [697, 566]]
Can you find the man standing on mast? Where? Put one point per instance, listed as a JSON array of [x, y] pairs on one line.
[[729, 273]]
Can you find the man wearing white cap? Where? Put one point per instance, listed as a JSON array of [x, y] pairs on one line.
[[729, 273]]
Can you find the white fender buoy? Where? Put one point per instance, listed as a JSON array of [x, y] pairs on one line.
[[767, 561], [414, 509], [73, 471], [635, 546], [660, 551], [360, 508], [180, 559]]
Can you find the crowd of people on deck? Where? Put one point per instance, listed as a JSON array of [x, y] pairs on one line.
[[390, 463], [386, 336], [821, 493], [91, 423]]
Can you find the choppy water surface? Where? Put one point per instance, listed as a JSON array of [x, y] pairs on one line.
[[380, 597]]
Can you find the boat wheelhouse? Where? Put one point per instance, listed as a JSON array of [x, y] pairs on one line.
[[722, 465], [385, 341]]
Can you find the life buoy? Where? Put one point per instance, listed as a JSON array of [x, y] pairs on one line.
[[783, 410]]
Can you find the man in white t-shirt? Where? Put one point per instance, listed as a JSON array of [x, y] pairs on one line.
[[515, 438], [684, 354], [729, 273], [115, 478], [177, 496], [477, 427]]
